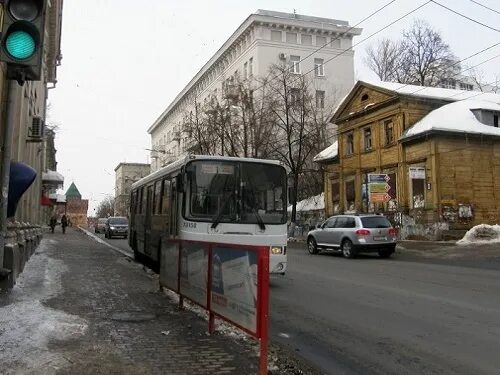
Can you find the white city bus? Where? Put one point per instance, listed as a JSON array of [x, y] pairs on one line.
[[213, 199]]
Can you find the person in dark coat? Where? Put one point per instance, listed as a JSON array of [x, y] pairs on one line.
[[64, 223], [53, 223]]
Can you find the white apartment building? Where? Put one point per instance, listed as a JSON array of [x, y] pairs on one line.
[[265, 38]]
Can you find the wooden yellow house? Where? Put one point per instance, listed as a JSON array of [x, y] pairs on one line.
[[439, 150]]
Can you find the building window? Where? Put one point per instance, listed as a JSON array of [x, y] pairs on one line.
[[295, 64], [319, 68], [449, 84], [306, 40], [466, 86], [320, 41], [417, 186], [350, 195], [335, 197], [389, 132], [495, 121], [320, 99], [349, 144], [250, 67], [276, 35], [367, 136], [335, 42], [294, 97], [245, 70], [291, 38]]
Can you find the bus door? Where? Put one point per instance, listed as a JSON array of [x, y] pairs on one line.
[[147, 220]]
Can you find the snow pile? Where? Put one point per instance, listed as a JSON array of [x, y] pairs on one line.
[[481, 234], [28, 326]]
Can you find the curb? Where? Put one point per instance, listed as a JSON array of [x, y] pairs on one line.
[[97, 239]]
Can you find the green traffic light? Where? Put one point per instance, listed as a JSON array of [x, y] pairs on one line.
[[20, 45]]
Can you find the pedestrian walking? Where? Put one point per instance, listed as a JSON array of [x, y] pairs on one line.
[[64, 223], [53, 222]]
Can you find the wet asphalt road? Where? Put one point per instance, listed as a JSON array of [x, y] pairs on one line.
[[426, 311]]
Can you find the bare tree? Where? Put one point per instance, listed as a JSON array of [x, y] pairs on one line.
[[292, 104], [384, 59], [477, 75], [421, 57], [106, 207]]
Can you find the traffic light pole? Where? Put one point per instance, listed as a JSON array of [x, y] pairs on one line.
[[5, 171]]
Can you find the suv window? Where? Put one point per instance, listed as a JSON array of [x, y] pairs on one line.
[[118, 221], [330, 223], [345, 222], [375, 222]]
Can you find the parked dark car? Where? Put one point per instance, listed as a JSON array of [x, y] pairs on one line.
[[354, 234], [116, 226]]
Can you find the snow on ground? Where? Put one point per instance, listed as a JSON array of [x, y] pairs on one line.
[[27, 325], [220, 325], [481, 234]]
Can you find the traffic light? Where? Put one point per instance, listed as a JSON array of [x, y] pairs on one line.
[[23, 29]]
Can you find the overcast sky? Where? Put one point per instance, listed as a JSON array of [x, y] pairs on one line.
[[124, 61]]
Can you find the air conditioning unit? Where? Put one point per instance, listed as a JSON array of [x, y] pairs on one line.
[[36, 130], [282, 56]]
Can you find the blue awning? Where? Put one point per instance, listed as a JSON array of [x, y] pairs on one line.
[[21, 178]]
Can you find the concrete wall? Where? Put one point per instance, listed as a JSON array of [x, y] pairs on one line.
[[125, 175], [253, 40]]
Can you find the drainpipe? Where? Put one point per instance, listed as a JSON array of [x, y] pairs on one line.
[[5, 163]]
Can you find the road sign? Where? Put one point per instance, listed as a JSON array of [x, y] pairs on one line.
[[378, 188]]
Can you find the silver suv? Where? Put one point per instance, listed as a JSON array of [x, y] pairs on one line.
[[353, 234]]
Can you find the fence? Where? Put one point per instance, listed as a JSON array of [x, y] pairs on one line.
[[230, 281]]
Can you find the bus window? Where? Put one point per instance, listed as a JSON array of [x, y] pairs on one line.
[[144, 201], [132, 202], [139, 201], [166, 190], [158, 198]]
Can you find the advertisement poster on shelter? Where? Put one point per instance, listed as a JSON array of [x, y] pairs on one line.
[[194, 272], [234, 286], [169, 266]]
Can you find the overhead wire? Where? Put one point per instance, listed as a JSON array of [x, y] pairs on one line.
[[364, 39], [484, 6], [464, 16], [349, 29], [456, 63]]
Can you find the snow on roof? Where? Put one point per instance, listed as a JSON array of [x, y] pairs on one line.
[[456, 117], [59, 198], [434, 92], [52, 176], [310, 204], [328, 153]]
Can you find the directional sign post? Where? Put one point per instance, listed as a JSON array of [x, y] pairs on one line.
[[378, 188]]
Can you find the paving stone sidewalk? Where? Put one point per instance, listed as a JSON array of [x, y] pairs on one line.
[[79, 308]]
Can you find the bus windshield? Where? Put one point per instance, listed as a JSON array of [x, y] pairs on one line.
[[236, 192]]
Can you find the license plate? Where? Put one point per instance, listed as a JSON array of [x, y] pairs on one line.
[[380, 238]]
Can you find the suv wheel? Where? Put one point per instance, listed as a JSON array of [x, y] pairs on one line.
[[348, 249], [311, 246]]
